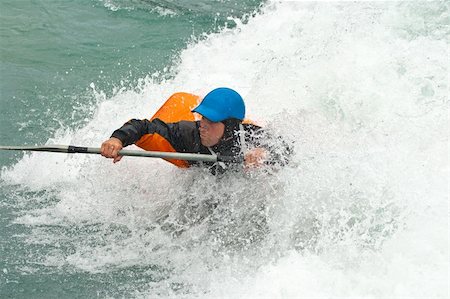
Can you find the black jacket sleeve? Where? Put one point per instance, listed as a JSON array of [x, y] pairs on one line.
[[183, 135], [133, 130]]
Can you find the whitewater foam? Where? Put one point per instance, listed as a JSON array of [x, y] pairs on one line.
[[360, 212]]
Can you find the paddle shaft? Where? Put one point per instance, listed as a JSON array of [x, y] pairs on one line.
[[70, 149]]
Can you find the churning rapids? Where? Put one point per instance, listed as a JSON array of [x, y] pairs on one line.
[[361, 211]]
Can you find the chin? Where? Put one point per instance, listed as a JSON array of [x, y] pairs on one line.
[[206, 143]]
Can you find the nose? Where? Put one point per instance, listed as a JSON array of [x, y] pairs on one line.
[[204, 125]]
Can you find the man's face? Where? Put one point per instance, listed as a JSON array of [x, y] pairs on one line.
[[210, 132]]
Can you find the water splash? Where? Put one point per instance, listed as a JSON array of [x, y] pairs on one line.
[[363, 94]]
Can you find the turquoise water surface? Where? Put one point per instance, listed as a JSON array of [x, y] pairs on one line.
[[359, 89], [52, 52]]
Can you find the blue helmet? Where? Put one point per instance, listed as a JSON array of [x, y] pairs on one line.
[[221, 104]]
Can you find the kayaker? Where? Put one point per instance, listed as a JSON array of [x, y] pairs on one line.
[[221, 130]]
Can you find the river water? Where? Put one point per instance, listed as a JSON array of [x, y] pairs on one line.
[[359, 88]]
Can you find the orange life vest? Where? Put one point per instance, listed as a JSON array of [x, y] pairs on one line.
[[177, 108]]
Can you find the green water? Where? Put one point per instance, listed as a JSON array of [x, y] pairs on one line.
[[361, 87], [51, 51], [50, 54]]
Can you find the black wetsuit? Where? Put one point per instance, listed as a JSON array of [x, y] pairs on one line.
[[184, 137]]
